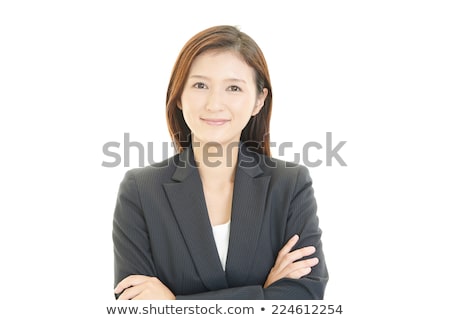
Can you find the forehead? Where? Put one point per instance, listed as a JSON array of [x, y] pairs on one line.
[[224, 62]]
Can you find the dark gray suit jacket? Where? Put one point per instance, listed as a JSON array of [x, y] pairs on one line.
[[161, 228]]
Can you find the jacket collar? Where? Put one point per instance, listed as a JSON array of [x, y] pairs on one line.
[[248, 162]]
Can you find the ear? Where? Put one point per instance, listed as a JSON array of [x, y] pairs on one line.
[[260, 101], [179, 105]]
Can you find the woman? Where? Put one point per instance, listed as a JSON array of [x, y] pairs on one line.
[[221, 219]]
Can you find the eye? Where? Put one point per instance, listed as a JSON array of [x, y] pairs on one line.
[[200, 85], [234, 88]]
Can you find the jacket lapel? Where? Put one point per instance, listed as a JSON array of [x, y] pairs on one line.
[[249, 198], [187, 200]]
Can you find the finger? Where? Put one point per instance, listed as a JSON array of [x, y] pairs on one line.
[[281, 262], [288, 246], [122, 285], [130, 293], [130, 281], [308, 263], [139, 297], [299, 273], [300, 253], [147, 295], [284, 261], [302, 267]]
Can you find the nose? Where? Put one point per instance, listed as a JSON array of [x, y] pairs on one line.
[[215, 101]]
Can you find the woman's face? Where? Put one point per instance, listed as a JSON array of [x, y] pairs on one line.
[[219, 97]]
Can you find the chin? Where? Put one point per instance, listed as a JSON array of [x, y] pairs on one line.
[[219, 140]]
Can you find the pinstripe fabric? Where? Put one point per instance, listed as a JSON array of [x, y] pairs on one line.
[[161, 228]]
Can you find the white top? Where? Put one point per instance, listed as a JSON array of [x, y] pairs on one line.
[[222, 236]]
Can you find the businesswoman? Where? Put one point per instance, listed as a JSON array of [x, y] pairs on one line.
[[221, 219]]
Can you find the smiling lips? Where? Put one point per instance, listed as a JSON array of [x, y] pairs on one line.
[[214, 122]]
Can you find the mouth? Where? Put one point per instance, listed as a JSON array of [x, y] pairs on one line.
[[214, 122]]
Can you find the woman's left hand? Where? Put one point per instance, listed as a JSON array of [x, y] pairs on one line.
[[139, 287]]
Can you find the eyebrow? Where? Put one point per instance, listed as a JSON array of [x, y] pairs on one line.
[[228, 79]]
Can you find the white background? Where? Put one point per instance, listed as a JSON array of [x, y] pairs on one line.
[[75, 75]]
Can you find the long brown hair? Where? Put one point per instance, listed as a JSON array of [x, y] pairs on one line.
[[256, 132]]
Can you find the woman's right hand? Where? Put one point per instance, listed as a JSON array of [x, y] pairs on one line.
[[286, 265]]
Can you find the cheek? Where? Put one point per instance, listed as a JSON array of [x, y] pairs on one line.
[[244, 106], [192, 101], [190, 106]]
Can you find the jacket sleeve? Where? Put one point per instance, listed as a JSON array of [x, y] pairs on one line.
[[130, 235], [302, 220]]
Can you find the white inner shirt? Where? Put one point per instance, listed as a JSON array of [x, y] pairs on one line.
[[222, 236]]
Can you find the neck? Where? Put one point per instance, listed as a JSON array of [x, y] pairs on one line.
[[216, 162]]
